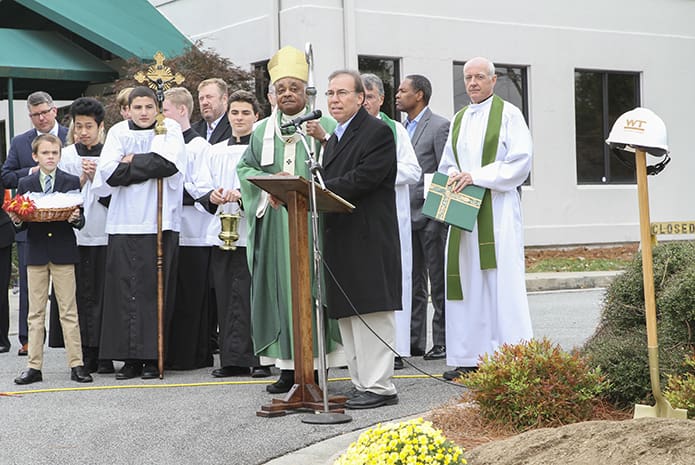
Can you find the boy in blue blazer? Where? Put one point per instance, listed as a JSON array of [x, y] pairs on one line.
[[51, 253]]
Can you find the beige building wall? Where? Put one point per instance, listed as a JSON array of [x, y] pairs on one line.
[[551, 38]]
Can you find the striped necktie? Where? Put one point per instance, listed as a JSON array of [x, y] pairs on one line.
[[47, 185]]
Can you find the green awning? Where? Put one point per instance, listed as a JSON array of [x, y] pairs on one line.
[[126, 28], [48, 55]]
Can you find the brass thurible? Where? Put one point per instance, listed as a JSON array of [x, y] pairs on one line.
[[229, 232]]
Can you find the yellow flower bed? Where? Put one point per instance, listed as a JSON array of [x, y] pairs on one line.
[[412, 442]]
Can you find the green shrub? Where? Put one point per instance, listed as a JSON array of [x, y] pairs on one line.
[[619, 345], [680, 390], [535, 384], [678, 297]]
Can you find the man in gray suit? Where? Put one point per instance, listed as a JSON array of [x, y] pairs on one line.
[[428, 133]]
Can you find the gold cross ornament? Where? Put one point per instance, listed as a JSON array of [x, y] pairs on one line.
[[159, 78]]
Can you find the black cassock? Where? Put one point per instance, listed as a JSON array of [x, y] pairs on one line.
[[231, 281], [129, 325]]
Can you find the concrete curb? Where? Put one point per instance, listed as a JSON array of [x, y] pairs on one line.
[[556, 281]]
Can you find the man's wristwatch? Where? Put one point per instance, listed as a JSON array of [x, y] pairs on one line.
[[326, 136]]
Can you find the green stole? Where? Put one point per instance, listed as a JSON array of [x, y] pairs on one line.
[[486, 233], [392, 124]]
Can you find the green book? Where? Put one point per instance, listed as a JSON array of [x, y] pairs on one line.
[[456, 209]]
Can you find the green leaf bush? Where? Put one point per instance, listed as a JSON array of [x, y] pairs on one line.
[[535, 384], [619, 345], [680, 390]]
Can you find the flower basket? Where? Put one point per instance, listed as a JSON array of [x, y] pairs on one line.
[[43, 215], [42, 208]]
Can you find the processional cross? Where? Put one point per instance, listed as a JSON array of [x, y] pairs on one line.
[[159, 78]]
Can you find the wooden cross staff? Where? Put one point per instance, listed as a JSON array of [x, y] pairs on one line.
[[159, 78]]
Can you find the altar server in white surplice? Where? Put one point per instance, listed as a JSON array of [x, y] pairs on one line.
[[490, 308], [408, 173], [229, 269], [131, 161], [188, 339], [81, 159]]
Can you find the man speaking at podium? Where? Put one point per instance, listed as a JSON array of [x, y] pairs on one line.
[[362, 249]]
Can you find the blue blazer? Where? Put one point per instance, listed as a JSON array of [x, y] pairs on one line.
[[19, 159], [52, 241]]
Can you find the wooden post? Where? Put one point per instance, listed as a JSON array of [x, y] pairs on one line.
[[160, 281]]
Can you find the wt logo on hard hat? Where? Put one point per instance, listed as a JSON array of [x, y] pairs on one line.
[[635, 125]]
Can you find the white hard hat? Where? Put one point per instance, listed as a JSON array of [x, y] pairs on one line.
[[641, 128]]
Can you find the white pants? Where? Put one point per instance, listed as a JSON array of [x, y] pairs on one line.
[[369, 361]]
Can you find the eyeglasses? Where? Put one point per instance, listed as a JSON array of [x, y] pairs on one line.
[[39, 114], [342, 93]]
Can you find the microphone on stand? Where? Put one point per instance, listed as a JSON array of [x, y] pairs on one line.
[[316, 114]]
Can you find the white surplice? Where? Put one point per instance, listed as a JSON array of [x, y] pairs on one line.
[[198, 182], [94, 231], [223, 160], [133, 208], [408, 172], [494, 309]]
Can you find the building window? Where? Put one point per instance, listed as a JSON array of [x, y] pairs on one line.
[[388, 69], [600, 97], [512, 86], [262, 82]]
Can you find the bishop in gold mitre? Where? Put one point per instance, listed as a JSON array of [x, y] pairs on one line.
[[271, 151]]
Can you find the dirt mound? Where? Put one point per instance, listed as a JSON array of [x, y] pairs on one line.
[[648, 441]]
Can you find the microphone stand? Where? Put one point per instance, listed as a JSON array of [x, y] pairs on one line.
[[326, 417]]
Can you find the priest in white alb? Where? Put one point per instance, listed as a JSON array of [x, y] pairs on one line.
[[489, 145]]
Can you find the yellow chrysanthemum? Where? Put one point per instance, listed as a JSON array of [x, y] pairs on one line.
[[413, 442]]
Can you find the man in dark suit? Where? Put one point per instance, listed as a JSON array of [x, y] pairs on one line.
[[6, 240], [428, 133], [51, 255], [19, 163], [362, 249], [212, 98]]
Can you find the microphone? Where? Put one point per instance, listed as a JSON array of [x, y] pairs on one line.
[[316, 114]]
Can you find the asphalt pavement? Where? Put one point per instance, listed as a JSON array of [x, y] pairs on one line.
[[191, 418]]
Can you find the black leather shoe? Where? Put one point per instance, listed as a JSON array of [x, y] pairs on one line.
[[105, 367], [458, 372], [436, 353], [231, 370], [260, 372], [151, 371], [28, 376], [368, 399], [80, 374], [352, 393], [283, 384], [24, 350], [398, 363], [129, 371], [4, 349]]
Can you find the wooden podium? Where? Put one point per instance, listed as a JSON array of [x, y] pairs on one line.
[[294, 192]]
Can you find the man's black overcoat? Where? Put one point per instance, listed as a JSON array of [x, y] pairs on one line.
[[362, 248]]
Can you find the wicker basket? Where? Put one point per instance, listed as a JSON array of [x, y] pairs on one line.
[[44, 215]]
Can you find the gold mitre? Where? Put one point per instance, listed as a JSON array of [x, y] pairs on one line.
[[288, 62]]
